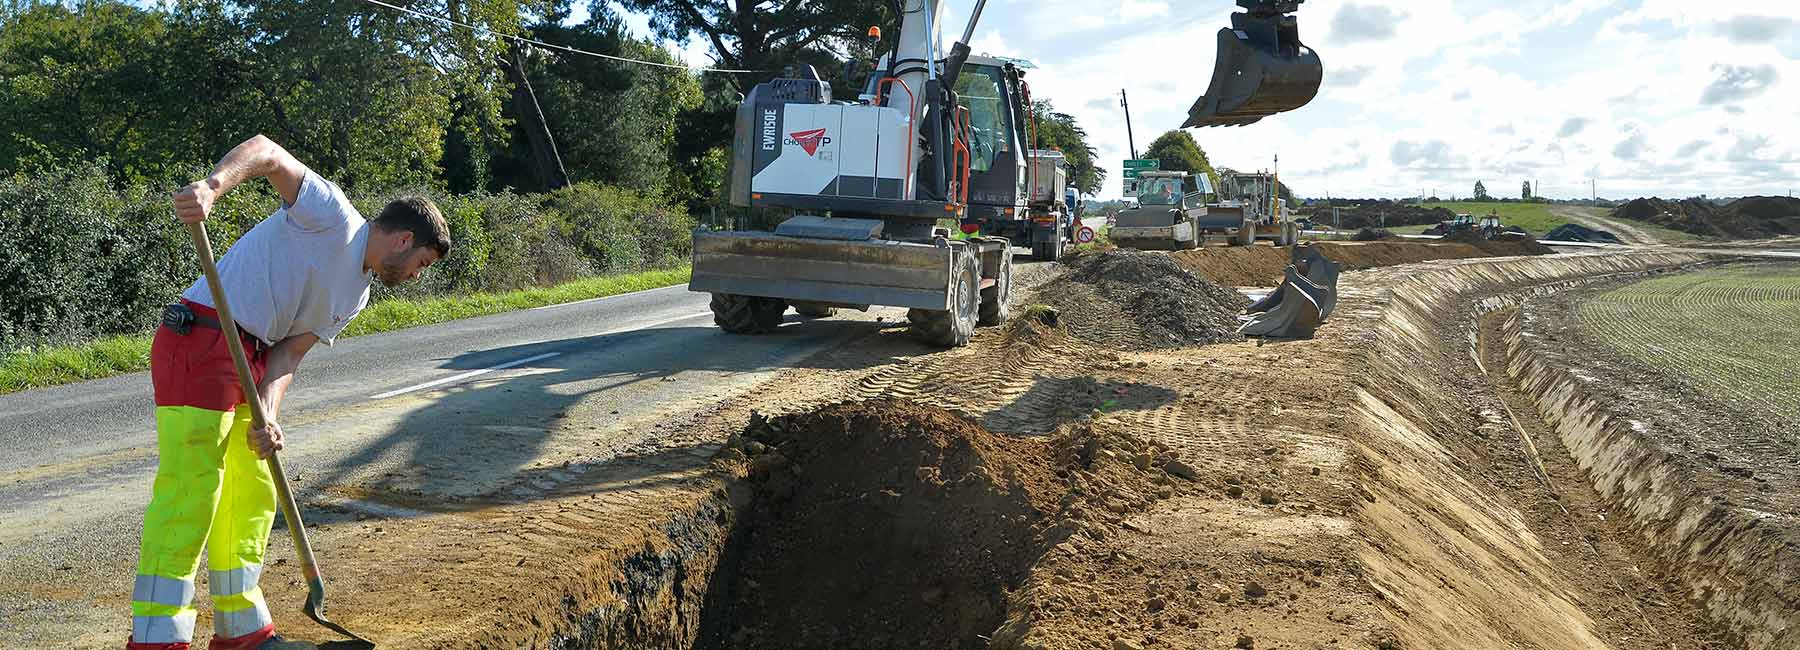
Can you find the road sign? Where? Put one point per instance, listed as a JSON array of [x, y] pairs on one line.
[[1133, 166]]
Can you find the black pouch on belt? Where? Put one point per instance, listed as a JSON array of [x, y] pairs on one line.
[[178, 318]]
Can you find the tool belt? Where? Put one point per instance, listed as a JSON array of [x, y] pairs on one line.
[[182, 319]]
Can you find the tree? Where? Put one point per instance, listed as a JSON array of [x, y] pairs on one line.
[[1526, 192], [363, 93], [140, 89], [1060, 132], [1179, 152], [764, 35], [611, 122], [1480, 191]]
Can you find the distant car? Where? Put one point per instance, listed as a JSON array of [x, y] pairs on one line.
[[1303, 223]]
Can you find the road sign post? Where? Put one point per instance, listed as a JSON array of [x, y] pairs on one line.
[[1133, 166]]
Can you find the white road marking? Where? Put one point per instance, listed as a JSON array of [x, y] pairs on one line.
[[513, 364]]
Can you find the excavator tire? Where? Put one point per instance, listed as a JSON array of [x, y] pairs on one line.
[[954, 327], [993, 299], [747, 314]]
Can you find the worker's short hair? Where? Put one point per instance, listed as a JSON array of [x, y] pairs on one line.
[[419, 216]]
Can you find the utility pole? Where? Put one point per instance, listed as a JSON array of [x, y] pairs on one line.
[[1129, 138]]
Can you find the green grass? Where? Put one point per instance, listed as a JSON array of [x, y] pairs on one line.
[[1535, 217], [51, 366], [1727, 330]]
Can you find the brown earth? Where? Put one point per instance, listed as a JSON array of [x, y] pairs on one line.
[[1499, 247], [1361, 489], [1378, 214], [1746, 218], [888, 524], [1141, 300], [1263, 266]]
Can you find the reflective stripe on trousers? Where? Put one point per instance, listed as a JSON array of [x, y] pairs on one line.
[[211, 493]]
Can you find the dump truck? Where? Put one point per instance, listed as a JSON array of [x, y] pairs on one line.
[[1025, 201], [935, 135]]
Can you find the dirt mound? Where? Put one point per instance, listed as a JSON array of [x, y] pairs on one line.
[[1498, 247], [888, 524], [1578, 233], [1262, 266], [1372, 234], [1746, 218], [1378, 214], [1235, 266], [1142, 300]]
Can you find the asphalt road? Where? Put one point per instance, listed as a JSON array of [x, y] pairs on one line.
[[446, 411]]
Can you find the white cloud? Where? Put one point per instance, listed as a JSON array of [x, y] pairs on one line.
[[1736, 83], [1424, 95]]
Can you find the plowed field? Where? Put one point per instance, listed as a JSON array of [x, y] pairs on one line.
[[1728, 331]]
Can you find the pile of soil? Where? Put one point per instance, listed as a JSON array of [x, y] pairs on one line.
[[1235, 266], [1143, 300], [888, 524], [1579, 233], [1746, 218], [1263, 266], [1372, 234], [1370, 214], [1498, 247]]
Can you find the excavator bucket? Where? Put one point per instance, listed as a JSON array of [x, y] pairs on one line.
[[1293, 311], [1304, 300], [1262, 68], [1322, 272]]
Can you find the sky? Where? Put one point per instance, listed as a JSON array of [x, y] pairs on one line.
[[1636, 97]]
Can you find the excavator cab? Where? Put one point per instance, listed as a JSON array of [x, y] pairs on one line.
[[1262, 67]]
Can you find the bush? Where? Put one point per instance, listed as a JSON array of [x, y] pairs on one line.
[[527, 249], [81, 259], [619, 230]]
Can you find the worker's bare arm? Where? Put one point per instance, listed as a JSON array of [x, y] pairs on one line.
[[282, 361], [258, 157]]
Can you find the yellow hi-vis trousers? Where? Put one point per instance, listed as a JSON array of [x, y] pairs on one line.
[[211, 492]]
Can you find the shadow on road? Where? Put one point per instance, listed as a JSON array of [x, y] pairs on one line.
[[479, 438]]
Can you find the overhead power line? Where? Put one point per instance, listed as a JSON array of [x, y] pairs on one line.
[[552, 46]]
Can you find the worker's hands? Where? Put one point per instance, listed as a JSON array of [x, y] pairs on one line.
[[265, 440], [194, 203]]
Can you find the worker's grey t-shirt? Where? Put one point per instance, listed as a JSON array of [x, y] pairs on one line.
[[300, 270]]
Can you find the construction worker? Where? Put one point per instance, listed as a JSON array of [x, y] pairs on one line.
[[294, 280]]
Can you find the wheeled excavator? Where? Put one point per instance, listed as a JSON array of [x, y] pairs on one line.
[[869, 180]]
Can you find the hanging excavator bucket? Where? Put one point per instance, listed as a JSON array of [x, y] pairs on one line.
[[1262, 68]]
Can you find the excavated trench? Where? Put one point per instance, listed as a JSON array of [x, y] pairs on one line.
[[868, 524], [884, 524], [878, 524], [1741, 564]]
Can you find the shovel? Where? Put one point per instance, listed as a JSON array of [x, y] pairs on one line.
[[315, 583]]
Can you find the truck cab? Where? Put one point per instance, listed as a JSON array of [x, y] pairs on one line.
[[1167, 213], [1015, 191]]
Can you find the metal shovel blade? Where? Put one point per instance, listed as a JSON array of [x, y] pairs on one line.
[[315, 610], [1262, 68]]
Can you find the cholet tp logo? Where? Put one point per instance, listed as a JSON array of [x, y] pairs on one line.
[[809, 140]]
